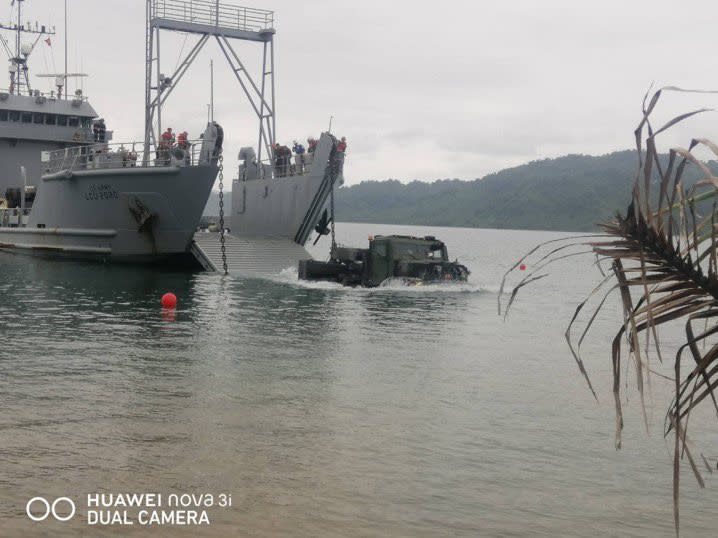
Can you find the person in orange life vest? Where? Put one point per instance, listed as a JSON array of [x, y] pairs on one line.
[[311, 144], [341, 149], [183, 144], [167, 140], [182, 140]]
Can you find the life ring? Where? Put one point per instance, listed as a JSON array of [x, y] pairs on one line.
[[77, 137]]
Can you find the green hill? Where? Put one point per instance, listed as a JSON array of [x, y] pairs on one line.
[[568, 193]]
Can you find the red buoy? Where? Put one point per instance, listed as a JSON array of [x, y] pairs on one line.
[[169, 300], [522, 267]]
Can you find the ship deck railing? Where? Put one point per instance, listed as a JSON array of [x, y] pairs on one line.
[[122, 155], [212, 13], [273, 169], [40, 95]]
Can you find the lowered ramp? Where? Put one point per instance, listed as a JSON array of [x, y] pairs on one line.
[[247, 255]]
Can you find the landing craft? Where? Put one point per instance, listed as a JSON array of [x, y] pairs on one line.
[[142, 201]]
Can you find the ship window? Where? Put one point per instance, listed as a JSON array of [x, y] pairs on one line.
[[62, 120], [50, 119], [14, 115], [86, 123], [73, 121], [3, 115], [27, 117], [37, 118]]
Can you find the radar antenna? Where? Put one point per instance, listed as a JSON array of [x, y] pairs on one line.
[[60, 79]]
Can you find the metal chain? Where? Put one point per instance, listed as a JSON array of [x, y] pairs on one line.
[[221, 214], [331, 203]]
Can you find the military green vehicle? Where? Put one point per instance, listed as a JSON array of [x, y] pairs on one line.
[[392, 258]]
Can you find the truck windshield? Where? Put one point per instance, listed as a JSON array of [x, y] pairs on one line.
[[417, 251]]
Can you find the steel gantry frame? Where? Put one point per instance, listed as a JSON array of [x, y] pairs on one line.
[[224, 22]]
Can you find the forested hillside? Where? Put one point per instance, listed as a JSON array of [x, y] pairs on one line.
[[568, 193]]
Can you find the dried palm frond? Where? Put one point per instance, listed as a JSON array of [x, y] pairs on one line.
[[663, 262]]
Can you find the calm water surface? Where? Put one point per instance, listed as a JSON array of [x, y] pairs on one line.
[[327, 411]]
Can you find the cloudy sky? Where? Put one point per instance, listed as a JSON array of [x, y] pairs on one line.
[[422, 90]]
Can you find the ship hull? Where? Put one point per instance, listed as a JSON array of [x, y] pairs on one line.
[[288, 206], [133, 215]]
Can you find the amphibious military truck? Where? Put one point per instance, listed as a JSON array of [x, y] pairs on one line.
[[392, 258]]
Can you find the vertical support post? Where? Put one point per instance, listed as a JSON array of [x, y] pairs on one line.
[[27, 79], [17, 36], [273, 134], [149, 48], [16, 75], [261, 107], [23, 173], [159, 89], [65, 77]]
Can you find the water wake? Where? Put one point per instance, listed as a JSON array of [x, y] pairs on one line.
[[289, 276]]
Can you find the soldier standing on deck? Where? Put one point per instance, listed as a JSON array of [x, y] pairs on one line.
[[166, 143], [299, 157]]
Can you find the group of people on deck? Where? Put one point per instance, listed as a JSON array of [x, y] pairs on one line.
[[303, 157], [168, 141], [99, 130]]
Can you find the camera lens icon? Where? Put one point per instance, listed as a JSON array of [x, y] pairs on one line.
[[49, 508]]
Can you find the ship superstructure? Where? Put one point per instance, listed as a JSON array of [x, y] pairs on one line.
[[32, 121]]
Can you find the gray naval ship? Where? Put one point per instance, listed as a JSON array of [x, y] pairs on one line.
[[67, 190]]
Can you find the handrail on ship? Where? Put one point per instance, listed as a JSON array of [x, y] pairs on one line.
[[206, 12], [271, 169], [122, 155], [48, 95]]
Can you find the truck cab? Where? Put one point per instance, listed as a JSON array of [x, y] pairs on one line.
[[404, 257]]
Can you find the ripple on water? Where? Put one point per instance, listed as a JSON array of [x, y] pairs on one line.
[[328, 410]]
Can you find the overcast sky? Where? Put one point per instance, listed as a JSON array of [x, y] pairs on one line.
[[422, 90]]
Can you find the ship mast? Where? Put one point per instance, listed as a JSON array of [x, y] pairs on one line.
[[65, 43], [19, 76]]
